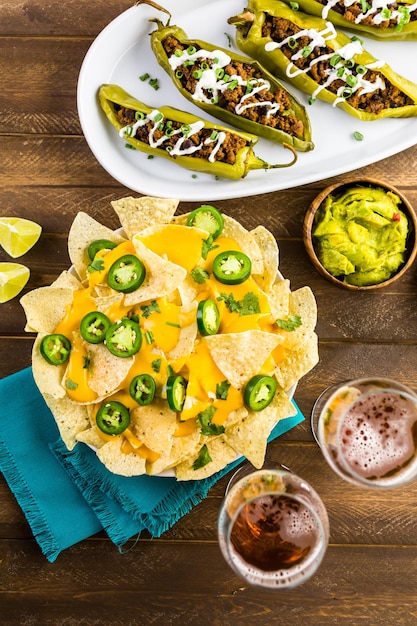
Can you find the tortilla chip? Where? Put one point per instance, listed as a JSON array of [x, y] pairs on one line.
[[71, 418], [297, 363], [107, 371], [155, 425], [45, 308], [221, 454], [162, 277], [270, 255], [278, 299], [188, 335], [135, 214], [67, 279], [249, 437], [241, 355], [47, 377], [91, 437], [120, 463], [83, 231], [246, 241], [302, 303]]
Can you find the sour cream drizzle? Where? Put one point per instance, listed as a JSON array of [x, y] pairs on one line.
[[212, 80], [376, 10], [339, 71], [177, 150]]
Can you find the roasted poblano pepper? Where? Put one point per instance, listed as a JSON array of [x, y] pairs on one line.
[[228, 86], [187, 140], [381, 19], [322, 62]]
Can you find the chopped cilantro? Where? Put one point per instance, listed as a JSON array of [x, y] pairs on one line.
[[96, 266], [147, 309], [204, 421], [69, 384], [203, 458], [149, 336], [249, 305], [156, 365], [199, 275], [290, 324], [222, 390], [207, 246], [87, 363]]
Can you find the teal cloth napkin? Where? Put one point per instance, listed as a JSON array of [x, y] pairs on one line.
[[67, 496]]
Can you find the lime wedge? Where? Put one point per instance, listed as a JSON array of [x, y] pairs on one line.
[[13, 277], [18, 235]]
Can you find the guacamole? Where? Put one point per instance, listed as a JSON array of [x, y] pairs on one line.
[[360, 235]]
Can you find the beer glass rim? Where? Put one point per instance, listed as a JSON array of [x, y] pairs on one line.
[[313, 559], [356, 477]]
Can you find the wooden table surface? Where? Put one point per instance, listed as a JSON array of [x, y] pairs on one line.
[[48, 174]]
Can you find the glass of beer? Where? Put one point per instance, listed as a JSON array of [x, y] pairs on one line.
[[367, 431], [273, 528]]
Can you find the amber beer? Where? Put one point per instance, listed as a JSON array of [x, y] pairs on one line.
[[274, 532], [273, 529], [368, 433]]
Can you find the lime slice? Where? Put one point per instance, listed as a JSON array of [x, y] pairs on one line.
[[18, 235], [13, 277]]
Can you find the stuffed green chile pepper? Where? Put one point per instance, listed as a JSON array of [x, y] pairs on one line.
[[323, 62], [228, 86], [381, 19], [187, 140]]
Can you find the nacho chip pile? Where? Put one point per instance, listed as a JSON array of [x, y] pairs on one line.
[[264, 329]]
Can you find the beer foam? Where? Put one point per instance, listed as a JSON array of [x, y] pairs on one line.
[[376, 437]]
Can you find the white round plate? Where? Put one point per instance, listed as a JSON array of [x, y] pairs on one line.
[[121, 54]]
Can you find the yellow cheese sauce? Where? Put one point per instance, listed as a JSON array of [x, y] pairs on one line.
[[161, 321]]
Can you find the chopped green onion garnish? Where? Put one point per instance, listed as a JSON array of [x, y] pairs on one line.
[[292, 43], [361, 69], [191, 50], [214, 135], [139, 115], [179, 73], [335, 59], [144, 77], [198, 74], [358, 136], [351, 80], [154, 83], [295, 6], [219, 72], [128, 145], [306, 51], [178, 53], [158, 117], [311, 100]]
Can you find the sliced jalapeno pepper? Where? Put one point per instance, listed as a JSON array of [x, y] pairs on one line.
[[176, 390], [124, 338], [113, 418], [259, 392], [94, 326], [55, 349], [142, 389], [207, 218], [232, 267], [99, 244], [188, 140], [126, 274], [208, 317]]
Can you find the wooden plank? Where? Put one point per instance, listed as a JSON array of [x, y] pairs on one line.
[[157, 583]]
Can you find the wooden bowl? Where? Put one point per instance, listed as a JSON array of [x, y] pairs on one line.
[[337, 188]]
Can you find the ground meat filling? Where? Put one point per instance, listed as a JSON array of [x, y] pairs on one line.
[[226, 154], [351, 12], [278, 29], [284, 120]]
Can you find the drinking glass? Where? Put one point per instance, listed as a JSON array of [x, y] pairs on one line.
[[273, 528], [367, 431]]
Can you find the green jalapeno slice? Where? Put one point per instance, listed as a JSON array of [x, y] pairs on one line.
[[259, 392], [208, 317], [99, 244], [124, 338], [232, 267], [55, 349], [113, 418], [94, 326], [126, 274], [207, 218], [176, 390], [142, 389]]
